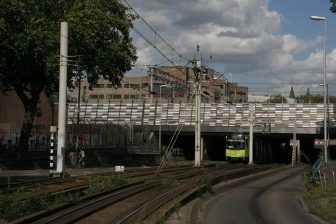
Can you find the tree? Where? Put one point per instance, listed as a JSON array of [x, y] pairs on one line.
[[333, 6], [278, 98], [30, 33], [310, 99]]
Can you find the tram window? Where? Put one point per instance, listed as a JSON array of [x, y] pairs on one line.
[[235, 144]]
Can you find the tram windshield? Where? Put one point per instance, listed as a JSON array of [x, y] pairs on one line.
[[235, 144]]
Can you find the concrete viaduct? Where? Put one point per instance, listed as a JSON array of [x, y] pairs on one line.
[[275, 122]]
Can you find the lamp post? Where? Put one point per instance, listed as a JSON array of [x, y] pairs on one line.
[[322, 18], [327, 115], [160, 116]]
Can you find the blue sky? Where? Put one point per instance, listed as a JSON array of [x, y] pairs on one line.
[[296, 21], [267, 45]]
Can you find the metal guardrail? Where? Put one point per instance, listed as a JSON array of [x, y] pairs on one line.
[[315, 171]]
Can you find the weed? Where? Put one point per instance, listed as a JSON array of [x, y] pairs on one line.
[[108, 182], [322, 201], [22, 203], [172, 183]]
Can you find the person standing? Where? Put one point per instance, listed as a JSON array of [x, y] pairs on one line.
[[81, 157]]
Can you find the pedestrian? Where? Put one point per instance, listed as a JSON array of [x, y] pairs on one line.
[[81, 157]]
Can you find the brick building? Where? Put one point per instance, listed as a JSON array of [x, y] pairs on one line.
[[11, 117], [166, 84], [172, 84]]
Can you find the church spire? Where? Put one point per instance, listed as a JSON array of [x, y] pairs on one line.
[[292, 94], [308, 92]]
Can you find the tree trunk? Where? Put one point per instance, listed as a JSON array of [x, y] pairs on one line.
[[27, 125]]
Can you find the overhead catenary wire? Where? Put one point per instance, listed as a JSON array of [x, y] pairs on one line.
[[160, 47], [144, 21]]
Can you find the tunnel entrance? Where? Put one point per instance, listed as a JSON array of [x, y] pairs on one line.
[[267, 147]]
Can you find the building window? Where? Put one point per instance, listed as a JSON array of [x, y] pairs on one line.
[[134, 96], [109, 85], [97, 96], [127, 85], [99, 85], [117, 96], [131, 96], [135, 86], [113, 96]]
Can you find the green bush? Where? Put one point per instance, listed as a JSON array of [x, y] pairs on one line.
[[322, 201]]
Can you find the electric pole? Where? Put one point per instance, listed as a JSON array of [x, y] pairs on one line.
[[198, 72], [62, 109]]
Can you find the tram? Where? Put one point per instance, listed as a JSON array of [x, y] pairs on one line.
[[237, 149]]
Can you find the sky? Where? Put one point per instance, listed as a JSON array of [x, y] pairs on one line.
[[266, 45]]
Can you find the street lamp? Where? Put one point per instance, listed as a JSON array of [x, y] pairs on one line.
[[160, 115], [327, 114], [322, 18]]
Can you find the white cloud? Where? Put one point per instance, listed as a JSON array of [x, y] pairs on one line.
[[242, 35], [292, 44]]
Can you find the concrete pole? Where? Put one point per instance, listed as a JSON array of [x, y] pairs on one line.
[[151, 87], [62, 108], [294, 156], [202, 148], [325, 94], [299, 152], [324, 19], [251, 137], [198, 124], [78, 111], [160, 120]]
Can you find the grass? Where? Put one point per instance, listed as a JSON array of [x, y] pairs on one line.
[[104, 183], [23, 202], [322, 201]]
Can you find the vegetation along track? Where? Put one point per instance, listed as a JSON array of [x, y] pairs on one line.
[[150, 199], [30, 197], [57, 184]]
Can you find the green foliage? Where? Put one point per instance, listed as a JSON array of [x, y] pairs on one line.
[[29, 47], [322, 201], [314, 99], [333, 6], [105, 183], [22, 203], [310, 99], [278, 98]]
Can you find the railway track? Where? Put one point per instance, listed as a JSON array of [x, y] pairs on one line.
[[50, 183], [140, 200]]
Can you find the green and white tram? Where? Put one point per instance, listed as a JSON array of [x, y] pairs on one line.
[[237, 149]]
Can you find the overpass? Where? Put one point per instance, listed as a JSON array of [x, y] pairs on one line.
[[273, 124], [274, 118]]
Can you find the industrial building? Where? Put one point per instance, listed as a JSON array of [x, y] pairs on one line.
[[172, 84]]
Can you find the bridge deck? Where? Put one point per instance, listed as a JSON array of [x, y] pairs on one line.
[[306, 118]]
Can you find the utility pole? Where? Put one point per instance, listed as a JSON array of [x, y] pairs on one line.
[[62, 108], [151, 87], [294, 148], [198, 71], [251, 136], [79, 80]]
